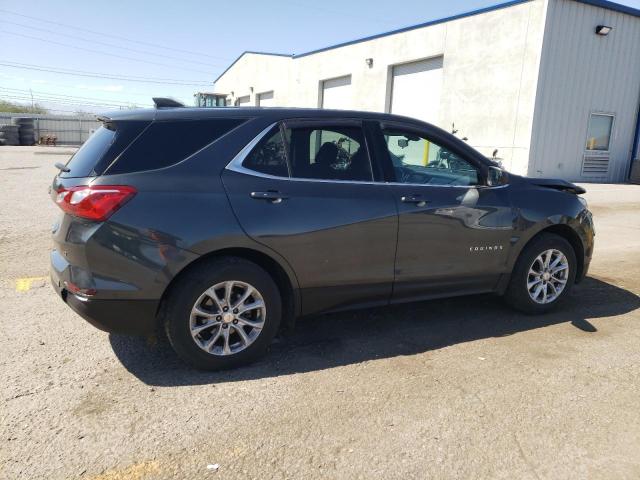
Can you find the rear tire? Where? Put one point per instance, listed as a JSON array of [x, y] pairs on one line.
[[536, 288], [234, 337]]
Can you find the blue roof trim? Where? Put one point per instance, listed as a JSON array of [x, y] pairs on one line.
[[596, 3], [616, 7], [253, 52], [392, 32], [419, 25], [268, 53]]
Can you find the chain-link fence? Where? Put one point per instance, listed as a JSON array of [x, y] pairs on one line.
[[69, 129]]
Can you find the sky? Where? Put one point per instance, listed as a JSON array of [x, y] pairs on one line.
[[96, 56]]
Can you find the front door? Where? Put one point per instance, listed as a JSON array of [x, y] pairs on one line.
[[454, 232], [307, 192]]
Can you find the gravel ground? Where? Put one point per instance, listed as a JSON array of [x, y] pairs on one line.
[[462, 388]]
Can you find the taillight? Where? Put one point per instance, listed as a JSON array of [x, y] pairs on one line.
[[73, 288], [94, 203]]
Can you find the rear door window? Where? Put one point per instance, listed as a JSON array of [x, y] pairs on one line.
[[166, 143], [102, 148], [332, 152], [322, 151], [269, 155]]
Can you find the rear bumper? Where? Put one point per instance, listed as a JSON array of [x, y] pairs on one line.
[[126, 316]]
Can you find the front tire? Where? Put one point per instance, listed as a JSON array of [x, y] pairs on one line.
[[222, 314], [543, 275]]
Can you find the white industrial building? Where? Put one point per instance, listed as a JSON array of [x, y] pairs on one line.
[[554, 85]]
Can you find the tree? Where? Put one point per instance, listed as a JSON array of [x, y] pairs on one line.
[[13, 107]]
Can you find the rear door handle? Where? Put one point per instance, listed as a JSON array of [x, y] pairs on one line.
[[273, 197], [417, 199]]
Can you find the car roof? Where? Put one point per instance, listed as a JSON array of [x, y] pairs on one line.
[[275, 113]]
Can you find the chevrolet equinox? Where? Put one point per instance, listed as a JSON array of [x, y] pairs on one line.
[[222, 225]]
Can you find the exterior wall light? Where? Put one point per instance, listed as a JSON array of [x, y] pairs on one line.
[[369, 62], [603, 30]]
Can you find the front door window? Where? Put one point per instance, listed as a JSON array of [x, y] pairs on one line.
[[418, 160]]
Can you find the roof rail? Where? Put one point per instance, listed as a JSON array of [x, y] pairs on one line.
[[161, 102]]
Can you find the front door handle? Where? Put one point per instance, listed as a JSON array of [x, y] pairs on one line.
[[417, 199], [273, 197]]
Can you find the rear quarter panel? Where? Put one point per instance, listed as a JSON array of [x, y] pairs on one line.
[[180, 213]]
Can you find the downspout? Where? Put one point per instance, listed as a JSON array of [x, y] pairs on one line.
[[634, 147]]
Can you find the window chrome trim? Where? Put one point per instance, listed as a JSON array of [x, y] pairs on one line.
[[235, 165]]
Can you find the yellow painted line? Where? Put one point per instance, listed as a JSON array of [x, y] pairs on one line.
[[136, 471], [25, 284]]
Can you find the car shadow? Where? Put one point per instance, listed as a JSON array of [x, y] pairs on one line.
[[338, 339]]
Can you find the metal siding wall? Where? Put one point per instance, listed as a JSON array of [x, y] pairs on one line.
[[581, 73], [70, 130]]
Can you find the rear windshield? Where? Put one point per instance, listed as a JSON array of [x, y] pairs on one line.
[[102, 148], [166, 143]]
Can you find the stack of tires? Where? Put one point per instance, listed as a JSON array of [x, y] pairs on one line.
[[26, 132], [9, 135]]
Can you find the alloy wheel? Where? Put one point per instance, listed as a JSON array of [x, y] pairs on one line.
[[547, 276], [227, 317]]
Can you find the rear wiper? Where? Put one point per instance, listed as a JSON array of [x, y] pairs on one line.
[[62, 167]]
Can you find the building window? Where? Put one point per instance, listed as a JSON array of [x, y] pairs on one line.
[[599, 132]]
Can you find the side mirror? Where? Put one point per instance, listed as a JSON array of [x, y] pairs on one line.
[[403, 142], [496, 177]]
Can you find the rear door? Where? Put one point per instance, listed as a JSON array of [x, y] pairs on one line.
[[306, 190], [454, 232]]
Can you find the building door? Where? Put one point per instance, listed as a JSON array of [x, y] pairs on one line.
[[416, 89], [337, 93], [265, 99], [244, 101], [597, 154]]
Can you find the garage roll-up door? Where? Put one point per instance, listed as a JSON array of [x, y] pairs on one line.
[[337, 93], [265, 99], [416, 89], [244, 101]]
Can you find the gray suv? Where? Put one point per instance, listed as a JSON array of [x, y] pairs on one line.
[[221, 226]]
